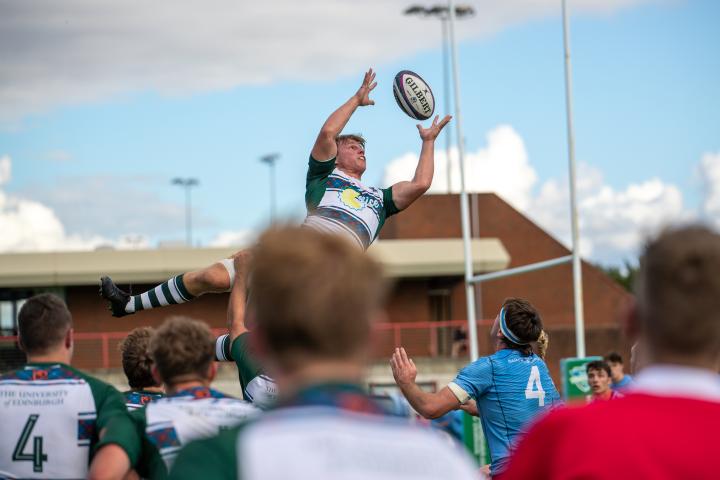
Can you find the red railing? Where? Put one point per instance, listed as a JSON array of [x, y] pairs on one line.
[[99, 350]]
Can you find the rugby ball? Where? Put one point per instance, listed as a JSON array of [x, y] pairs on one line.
[[413, 95]]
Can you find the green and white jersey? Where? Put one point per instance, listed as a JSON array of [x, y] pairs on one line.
[[323, 442], [257, 387], [338, 203], [169, 423], [51, 417], [135, 399]]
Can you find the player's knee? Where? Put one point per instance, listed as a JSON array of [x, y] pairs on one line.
[[211, 279]]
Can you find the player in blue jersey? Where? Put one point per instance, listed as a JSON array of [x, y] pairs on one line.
[[510, 387]]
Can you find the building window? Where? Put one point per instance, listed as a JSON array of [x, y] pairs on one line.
[[11, 301], [441, 310]]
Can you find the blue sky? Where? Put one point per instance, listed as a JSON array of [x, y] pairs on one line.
[[647, 106]]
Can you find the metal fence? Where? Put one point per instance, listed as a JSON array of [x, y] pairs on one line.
[[99, 350]]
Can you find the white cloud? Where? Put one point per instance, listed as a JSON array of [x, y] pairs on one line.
[[31, 225], [709, 171], [613, 222], [114, 206], [5, 169], [57, 53], [240, 238], [502, 167]]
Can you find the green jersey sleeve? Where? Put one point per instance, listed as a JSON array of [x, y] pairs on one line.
[[113, 423], [248, 368], [208, 458], [389, 203], [150, 463], [315, 181]]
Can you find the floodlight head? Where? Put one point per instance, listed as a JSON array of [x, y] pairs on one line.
[[415, 10], [438, 10], [270, 158], [464, 11]]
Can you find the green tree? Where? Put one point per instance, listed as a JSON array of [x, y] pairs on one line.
[[624, 275]]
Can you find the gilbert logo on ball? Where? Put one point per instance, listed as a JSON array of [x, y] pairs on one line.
[[413, 95]]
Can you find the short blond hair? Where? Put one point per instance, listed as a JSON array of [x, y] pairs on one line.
[[350, 136], [182, 347], [314, 296]]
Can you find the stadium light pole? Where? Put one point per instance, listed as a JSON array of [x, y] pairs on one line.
[[576, 265], [464, 203], [441, 12], [187, 184], [270, 160]]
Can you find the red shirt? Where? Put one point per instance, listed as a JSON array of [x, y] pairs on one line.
[[637, 436]]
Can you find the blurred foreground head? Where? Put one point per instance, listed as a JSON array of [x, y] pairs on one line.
[[314, 298], [678, 297]]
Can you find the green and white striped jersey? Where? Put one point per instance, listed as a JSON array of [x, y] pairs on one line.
[[338, 203], [169, 423], [325, 440], [51, 417]]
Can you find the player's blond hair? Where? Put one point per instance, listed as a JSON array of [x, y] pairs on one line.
[[350, 136], [182, 349], [314, 296]]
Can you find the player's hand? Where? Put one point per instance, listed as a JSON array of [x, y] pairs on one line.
[[403, 368], [241, 261], [431, 133], [363, 93]]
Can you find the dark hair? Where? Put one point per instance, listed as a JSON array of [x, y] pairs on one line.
[[598, 365], [678, 292], [136, 360], [613, 357], [524, 321], [43, 322], [182, 347]]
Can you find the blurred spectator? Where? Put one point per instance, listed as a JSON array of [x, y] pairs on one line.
[[450, 423], [599, 379], [314, 299], [460, 342], [666, 425], [620, 379]]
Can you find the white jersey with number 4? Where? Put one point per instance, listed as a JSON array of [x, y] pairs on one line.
[[48, 417]]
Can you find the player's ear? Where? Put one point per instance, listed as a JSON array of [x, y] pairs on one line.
[[69, 339], [212, 371], [156, 375]]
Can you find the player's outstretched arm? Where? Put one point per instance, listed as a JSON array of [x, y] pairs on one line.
[[238, 296], [325, 148], [405, 193], [427, 404]]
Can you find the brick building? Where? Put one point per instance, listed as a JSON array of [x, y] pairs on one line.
[[421, 250]]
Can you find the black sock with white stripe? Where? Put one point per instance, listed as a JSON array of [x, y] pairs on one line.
[[171, 292]]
